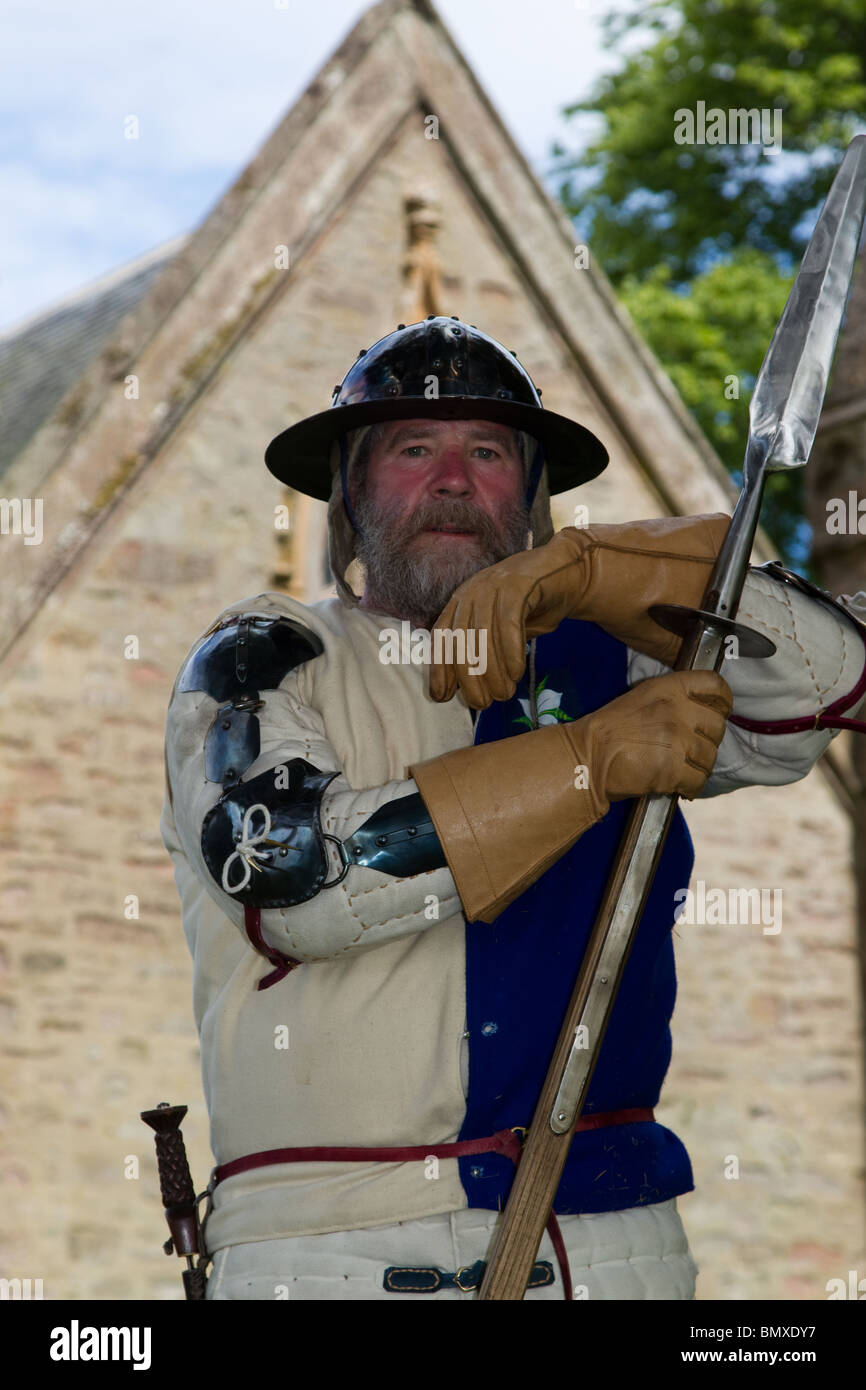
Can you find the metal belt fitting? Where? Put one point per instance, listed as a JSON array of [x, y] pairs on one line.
[[428, 1279]]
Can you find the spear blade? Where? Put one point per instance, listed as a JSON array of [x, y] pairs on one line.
[[790, 387]]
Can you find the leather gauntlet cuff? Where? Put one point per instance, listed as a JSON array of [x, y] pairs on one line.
[[623, 570], [505, 811]]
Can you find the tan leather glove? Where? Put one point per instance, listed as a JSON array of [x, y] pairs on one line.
[[605, 574], [505, 811]]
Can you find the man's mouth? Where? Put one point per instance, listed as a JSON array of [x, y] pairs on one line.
[[448, 531]]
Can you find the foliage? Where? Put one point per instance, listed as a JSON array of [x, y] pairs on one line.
[[654, 202], [702, 241]]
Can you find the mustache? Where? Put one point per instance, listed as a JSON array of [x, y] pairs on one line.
[[463, 516]]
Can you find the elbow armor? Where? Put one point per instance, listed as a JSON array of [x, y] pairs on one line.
[[264, 843]]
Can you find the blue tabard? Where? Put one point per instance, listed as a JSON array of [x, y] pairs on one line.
[[521, 970]]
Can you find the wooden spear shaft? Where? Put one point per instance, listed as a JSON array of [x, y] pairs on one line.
[[516, 1244], [568, 1078], [566, 1084]]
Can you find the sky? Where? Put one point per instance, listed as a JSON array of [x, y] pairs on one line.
[[207, 81]]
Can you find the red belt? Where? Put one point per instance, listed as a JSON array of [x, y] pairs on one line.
[[506, 1142]]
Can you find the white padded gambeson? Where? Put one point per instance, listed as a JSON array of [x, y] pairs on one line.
[[376, 1034], [640, 1254]]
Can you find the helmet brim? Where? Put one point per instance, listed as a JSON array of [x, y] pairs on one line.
[[300, 456]]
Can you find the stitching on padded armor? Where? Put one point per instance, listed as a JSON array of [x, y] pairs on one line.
[[820, 694], [784, 598]]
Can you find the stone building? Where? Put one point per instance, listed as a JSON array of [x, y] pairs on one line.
[[390, 190]]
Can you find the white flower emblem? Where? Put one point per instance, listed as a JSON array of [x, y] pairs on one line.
[[547, 701]]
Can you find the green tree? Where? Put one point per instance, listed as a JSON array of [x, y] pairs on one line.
[[711, 338], [702, 241]]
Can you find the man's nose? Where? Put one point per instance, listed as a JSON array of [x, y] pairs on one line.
[[451, 475]]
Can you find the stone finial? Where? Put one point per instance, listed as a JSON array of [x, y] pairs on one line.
[[422, 269]]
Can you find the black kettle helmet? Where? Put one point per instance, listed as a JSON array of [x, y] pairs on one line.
[[443, 368]]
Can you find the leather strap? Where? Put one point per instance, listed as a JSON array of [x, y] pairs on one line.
[[505, 1141], [283, 963], [794, 726]]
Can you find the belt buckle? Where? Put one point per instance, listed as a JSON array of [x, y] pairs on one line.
[[463, 1289]]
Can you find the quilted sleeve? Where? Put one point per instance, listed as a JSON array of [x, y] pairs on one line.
[[820, 661], [367, 909]]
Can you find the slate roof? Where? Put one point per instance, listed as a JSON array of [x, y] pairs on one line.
[[43, 356]]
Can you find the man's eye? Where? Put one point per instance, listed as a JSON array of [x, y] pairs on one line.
[[412, 447], [483, 449]]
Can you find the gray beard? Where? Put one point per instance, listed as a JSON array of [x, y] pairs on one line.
[[417, 582]]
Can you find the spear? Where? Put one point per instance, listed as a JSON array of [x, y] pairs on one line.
[[783, 418]]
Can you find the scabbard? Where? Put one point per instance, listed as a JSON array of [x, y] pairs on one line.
[[178, 1195]]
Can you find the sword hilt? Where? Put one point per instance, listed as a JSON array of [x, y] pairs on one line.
[[175, 1179]]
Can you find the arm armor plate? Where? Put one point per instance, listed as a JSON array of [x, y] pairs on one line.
[[240, 657], [263, 841]]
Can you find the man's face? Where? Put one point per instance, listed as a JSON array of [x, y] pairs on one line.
[[442, 500]]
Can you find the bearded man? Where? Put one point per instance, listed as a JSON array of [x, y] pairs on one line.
[[418, 850]]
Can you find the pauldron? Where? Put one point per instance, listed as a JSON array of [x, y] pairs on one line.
[[237, 659]]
